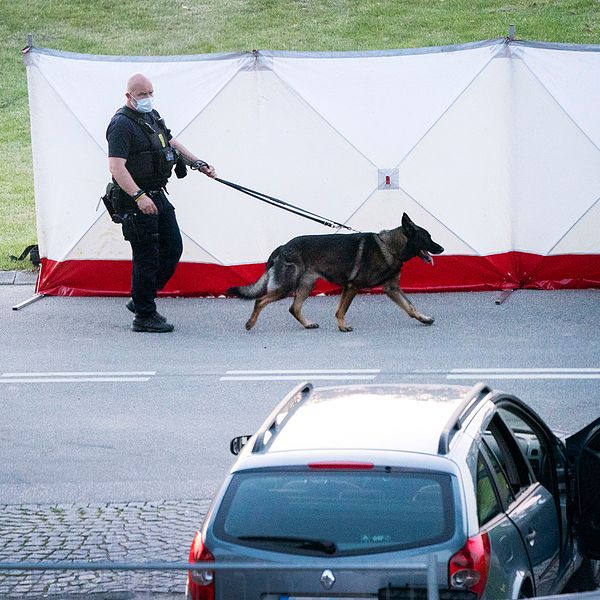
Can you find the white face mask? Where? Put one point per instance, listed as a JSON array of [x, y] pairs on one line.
[[143, 105]]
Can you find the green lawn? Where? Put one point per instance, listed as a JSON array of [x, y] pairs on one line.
[[199, 26]]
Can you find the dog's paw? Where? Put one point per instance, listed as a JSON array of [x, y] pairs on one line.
[[312, 326], [249, 325], [426, 320], [346, 328]]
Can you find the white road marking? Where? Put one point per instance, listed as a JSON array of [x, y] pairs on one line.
[[299, 374], [526, 373], [297, 377], [525, 376], [71, 379], [531, 370], [76, 376], [79, 373], [305, 371]]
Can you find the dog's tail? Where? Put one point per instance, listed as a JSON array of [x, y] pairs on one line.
[[259, 288], [254, 290]]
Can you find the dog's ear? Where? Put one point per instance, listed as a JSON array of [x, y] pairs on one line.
[[407, 224]]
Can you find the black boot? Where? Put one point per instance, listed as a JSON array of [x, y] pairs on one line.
[[150, 324], [131, 308]]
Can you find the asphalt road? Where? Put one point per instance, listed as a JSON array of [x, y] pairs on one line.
[[92, 412], [113, 442]]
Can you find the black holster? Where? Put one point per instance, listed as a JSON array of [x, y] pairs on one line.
[[132, 230], [180, 168], [109, 202]]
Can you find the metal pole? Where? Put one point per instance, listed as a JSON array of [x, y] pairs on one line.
[[432, 582], [410, 568], [503, 296], [511, 33], [28, 302]]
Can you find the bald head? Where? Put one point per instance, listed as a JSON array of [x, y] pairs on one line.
[[139, 87], [138, 83]]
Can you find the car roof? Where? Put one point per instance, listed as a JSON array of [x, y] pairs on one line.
[[410, 418]]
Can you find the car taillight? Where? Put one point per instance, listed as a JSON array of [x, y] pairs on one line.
[[468, 568], [200, 584], [344, 466]]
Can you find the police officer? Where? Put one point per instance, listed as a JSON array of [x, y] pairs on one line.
[[141, 154]]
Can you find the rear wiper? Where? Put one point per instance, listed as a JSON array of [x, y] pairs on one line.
[[325, 546]]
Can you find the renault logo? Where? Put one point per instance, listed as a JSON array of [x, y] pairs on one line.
[[327, 579]]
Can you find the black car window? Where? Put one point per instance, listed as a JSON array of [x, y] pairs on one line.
[[545, 458], [505, 448], [534, 446], [487, 501], [502, 485], [340, 512]]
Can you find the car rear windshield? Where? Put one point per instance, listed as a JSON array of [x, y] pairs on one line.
[[338, 511]]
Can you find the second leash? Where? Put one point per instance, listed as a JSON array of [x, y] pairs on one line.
[[297, 210]]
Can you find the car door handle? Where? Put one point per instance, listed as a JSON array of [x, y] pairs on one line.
[[530, 537]]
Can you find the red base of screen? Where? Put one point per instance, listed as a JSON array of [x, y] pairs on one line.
[[512, 270]]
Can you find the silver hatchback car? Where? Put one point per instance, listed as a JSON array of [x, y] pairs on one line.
[[391, 475]]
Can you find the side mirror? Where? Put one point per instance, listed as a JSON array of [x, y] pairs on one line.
[[237, 443]]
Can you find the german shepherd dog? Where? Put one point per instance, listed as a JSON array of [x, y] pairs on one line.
[[353, 261]]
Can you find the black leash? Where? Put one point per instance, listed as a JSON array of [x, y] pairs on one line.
[[296, 210], [32, 251]]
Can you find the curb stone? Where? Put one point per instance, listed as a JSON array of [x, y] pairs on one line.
[[18, 277]]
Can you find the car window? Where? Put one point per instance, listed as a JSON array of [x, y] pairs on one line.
[[508, 454], [533, 444], [354, 511], [487, 501], [502, 485], [547, 462]]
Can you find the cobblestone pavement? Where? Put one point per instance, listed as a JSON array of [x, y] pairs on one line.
[[132, 532]]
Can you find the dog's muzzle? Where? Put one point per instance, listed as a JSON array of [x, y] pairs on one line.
[[426, 255]]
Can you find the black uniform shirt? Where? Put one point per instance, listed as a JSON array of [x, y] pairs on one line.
[[126, 137]]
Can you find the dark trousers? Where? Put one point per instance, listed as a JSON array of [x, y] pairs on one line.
[[156, 252]]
